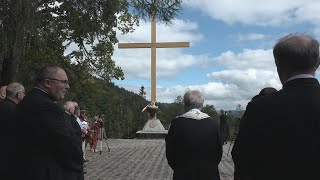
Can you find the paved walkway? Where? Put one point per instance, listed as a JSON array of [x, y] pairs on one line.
[[138, 159]]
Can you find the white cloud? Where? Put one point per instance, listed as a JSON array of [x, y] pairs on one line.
[[243, 76], [251, 37], [180, 30], [259, 59], [252, 12]]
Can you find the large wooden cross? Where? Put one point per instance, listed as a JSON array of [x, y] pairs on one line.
[[154, 45]]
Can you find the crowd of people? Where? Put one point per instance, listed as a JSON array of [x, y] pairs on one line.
[[57, 136], [279, 133]]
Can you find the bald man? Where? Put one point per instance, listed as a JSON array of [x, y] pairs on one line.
[[15, 93], [69, 113], [52, 151], [280, 133]]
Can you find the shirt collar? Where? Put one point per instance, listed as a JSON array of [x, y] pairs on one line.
[[11, 99], [41, 89], [299, 76]]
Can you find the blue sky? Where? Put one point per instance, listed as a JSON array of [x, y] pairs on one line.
[[230, 57]]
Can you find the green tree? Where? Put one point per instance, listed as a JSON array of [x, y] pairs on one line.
[[211, 111], [142, 92], [179, 100], [40, 30]]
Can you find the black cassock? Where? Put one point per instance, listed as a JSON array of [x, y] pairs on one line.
[[193, 147]]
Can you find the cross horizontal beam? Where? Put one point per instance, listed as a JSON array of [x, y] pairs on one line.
[[157, 45]]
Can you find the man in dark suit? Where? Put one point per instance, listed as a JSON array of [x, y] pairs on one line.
[[224, 127], [14, 94], [193, 143], [50, 150], [69, 108], [280, 133], [236, 146]]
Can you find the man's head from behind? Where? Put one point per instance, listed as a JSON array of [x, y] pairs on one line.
[[69, 107], [15, 91], [193, 99], [53, 79], [296, 54]]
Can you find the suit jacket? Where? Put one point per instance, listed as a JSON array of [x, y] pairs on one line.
[[76, 127], [8, 129], [280, 134], [50, 149], [77, 132], [194, 148], [7, 114]]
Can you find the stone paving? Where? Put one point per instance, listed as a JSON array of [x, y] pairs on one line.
[[139, 159]]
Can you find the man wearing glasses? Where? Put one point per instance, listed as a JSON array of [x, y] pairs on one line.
[[52, 151]]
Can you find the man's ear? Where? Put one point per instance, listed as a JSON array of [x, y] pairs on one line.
[[19, 95], [46, 83]]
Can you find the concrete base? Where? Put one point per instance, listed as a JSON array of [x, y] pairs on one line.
[[152, 129]]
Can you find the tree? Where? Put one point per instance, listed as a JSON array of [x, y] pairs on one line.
[[142, 92], [179, 100], [239, 110], [164, 10], [41, 30], [211, 111]]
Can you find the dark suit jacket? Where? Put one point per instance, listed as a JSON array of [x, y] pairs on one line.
[[50, 149], [194, 149], [77, 131], [280, 134], [7, 114], [76, 127], [8, 129]]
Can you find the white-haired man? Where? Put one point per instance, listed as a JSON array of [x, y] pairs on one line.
[[193, 143]]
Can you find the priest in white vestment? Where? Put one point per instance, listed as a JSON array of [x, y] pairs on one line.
[[193, 143]]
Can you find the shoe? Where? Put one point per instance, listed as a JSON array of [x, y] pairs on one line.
[[84, 172], [85, 160], [94, 150]]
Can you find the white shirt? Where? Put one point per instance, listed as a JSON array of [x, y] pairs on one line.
[[82, 124]]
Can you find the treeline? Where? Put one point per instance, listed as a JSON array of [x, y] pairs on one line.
[[120, 108]]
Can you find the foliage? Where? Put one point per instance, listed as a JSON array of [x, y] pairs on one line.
[[36, 31], [211, 111], [142, 92], [164, 10]]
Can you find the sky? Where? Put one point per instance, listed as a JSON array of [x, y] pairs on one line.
[[230, 55]]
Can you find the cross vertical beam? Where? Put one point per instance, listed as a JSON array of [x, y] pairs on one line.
[[153, 60]]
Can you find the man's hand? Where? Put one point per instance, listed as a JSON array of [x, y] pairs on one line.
[[84, 131]]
